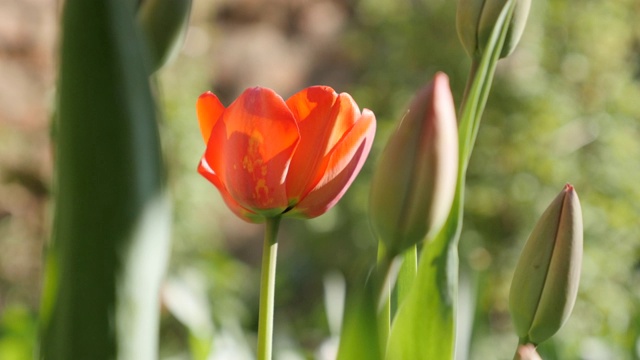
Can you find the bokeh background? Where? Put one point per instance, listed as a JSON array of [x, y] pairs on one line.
[[565, 107]]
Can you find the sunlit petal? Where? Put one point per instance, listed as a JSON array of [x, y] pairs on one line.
[[345, 161], [205, 170], [209, 109], [320, 129], [251, 149], [313, 110], [346, 113]]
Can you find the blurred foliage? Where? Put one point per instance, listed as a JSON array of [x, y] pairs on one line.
[[110, 232], [17, 330], [564, 108]]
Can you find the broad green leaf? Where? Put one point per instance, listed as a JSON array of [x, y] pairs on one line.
[[359, 336], [384, 313], [111, 222], [424, 327]]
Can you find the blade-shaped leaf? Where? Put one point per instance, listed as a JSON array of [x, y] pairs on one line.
[[359, 337], [111, 221], [424, 326]]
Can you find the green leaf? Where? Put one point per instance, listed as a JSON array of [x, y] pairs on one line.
[[384, 313], [111, 220], [407, 273], [424, 327], [359, 337]]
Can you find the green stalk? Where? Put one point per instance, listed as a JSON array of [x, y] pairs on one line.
[[267, 289], [475, 62]]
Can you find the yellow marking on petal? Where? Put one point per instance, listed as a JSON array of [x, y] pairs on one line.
[[253, 164], [262, 190], [247, 164], [253, 157]]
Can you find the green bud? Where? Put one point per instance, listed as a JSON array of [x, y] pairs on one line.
[[164, 24], [545, 282], [414, 183], [475, 20]]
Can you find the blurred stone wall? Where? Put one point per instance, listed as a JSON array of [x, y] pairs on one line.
[[28, 35]]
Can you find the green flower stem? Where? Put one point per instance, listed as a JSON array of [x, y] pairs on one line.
[[267, 289], [475, 62]]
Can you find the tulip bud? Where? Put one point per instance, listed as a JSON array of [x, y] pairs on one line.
[[414, 184], [545, 282], [164, 24], [475, 20]]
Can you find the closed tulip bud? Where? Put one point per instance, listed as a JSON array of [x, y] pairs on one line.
[[414, 184], [164, 24], [545, 282], [475, 20]]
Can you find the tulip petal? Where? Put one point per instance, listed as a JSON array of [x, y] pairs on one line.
[[345, 161], [247, 215], [324, 117], [209, 109], [312, 108], [250, 150], [346, 114]]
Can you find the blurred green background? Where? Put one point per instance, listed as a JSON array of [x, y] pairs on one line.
[[565, 107]]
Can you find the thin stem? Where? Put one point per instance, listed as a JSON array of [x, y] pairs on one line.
[[468, 126], [267, 289], [470, 78]]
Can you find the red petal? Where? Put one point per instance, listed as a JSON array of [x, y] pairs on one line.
[[244, 214], [345, 162], [312, 108], [324, 117], [347, 114], [251, 148], [209, 109]]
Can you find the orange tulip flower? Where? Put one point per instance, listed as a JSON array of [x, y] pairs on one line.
[[270, 157]]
